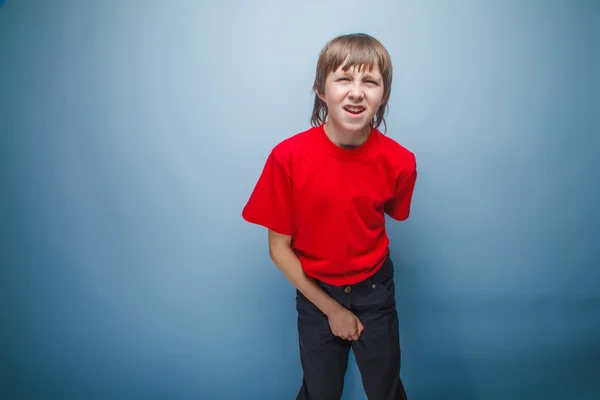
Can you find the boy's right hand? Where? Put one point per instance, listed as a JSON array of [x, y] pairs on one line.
[[345, 324], [342, 322]]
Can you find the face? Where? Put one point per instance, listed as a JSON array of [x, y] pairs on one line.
[[353, 98]]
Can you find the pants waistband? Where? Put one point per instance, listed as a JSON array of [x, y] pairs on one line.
[[386, 269]]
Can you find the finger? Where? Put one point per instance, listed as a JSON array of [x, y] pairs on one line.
[[361, 328]]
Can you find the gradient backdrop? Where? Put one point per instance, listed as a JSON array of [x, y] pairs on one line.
[[132, 133]]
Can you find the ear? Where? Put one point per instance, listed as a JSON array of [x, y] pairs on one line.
[[321, 96]]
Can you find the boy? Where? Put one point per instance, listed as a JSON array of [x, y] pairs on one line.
[[322, 195]]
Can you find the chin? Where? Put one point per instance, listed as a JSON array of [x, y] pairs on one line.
[[356, 127], [351, 126]]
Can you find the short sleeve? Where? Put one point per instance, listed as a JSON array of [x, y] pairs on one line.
[[399, 206], [270, 204]]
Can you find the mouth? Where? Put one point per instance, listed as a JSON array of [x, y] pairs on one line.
[[354, 110]]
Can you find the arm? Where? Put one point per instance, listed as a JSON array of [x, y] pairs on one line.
[[399, 206], [342, 322], [288, 263]]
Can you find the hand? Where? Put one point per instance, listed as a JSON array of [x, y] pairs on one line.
[[345, 324]]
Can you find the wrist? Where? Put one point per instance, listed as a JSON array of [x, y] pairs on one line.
[[333, 308]]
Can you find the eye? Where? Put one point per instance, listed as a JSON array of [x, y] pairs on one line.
[[343, 79]]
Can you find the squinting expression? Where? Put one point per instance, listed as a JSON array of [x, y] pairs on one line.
[[353, 98]]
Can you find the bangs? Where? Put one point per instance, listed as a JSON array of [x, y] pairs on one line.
[[360, 57], [360, 51]]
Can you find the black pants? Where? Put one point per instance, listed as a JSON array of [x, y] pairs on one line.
[[324, 357]]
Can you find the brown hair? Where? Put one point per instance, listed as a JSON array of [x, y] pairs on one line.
[[357, 49]]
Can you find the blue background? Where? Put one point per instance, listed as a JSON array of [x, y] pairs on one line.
[[132, 133]]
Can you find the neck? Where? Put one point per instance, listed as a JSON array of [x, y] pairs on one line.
[[347, 139]]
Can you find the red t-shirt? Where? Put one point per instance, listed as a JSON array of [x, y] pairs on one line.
[[332, 201]]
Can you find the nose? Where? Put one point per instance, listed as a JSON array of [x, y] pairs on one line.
[[356, 91]]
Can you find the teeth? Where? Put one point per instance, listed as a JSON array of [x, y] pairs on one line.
[[355, 109]]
